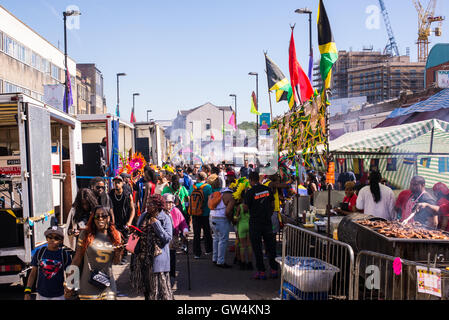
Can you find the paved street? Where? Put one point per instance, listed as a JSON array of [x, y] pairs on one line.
[[207, 282]]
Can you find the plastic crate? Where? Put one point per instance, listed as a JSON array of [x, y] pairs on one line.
[[308, 274], [302, 295]]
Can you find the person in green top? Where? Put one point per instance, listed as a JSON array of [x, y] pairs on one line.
[[242, 218], [181, 196]]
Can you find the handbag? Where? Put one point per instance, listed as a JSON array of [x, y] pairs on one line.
[[133, 244], [98, 279]]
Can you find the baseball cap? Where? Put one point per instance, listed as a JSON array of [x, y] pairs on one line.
[[125, 175], [203, 175], [118, 178], [230, 173], [441, 187], [169, 197], [54, 230]]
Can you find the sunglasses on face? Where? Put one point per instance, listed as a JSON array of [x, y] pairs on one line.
[[54, 238], [99, 187], [98, 217]]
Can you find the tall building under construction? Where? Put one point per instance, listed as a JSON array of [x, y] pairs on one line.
[[373, 74]]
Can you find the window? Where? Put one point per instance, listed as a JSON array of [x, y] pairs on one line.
[[1, 86], [1, 41], [55, 72], [207, 126]]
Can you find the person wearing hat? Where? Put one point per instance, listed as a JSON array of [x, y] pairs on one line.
[[180, 227], [127, 182], [123, 209], [48, 266]]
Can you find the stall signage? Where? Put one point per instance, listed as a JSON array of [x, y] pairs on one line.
[[429, 281], [10, 171], [13, 162]]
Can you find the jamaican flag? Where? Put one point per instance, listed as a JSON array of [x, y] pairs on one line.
[[279, 83], [328, 49]]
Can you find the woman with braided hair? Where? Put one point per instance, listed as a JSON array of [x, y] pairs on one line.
[[150, 266]]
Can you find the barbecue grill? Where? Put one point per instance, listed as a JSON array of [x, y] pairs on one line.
[[364, 238]]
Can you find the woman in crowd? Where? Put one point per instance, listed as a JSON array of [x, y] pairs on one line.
[[377, 199], [181, 196], [349, 202], [312, 186], [151, 266], [242, 218], [180, 227], [98, 248], [162, 182], [79, 214]]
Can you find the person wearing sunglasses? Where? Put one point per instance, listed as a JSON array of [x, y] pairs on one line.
[[99, 188], [48, 265], [99, 246]]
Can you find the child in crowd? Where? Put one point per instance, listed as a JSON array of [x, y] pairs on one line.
[[49, 264]]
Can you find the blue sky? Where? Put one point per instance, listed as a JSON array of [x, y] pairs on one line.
[[182, 54]]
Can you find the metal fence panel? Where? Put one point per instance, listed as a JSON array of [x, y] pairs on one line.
[[315, 267], [375, 278]]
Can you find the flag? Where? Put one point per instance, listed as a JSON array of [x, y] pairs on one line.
[[69, 89], [425, 162], [443, 165], [232, 121], [328, 49], [254, 106], [133, 116], [310, 65], [279, 83], [301, 86]]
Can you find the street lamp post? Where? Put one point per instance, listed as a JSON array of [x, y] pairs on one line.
[[309, 12], [134, 103], [65, 15], [257, 98], [148, 111], [117, 113]]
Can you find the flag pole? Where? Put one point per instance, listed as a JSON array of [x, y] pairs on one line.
[[328, 158], [269, 92]]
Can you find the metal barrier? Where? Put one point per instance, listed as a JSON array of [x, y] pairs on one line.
[[315, 267], [376, 278]]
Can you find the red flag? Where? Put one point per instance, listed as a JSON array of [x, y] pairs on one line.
[[133, 117], [302, 88]]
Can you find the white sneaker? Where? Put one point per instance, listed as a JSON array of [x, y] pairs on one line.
[[196, 257]]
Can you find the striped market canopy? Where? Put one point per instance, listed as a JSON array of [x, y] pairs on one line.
[[410, 138], [416, 147], [434, 103]]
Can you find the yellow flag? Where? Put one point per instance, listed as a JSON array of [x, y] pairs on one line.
[[254, 107]]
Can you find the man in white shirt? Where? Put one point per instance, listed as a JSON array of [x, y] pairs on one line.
[[377, 199]]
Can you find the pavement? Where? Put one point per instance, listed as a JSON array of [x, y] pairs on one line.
[[207, 282]]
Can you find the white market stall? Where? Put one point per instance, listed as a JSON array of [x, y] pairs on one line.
[[400, 152]]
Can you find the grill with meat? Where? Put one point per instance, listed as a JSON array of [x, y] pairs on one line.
[[395, 229]]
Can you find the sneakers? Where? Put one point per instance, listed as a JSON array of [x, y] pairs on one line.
[[259, 275], [208, 253], [224, 266], [274, 274], [196, 257]]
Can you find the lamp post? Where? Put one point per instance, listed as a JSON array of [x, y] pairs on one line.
[[148, 111], [257, 98], [117, 112], [66, 14], [191, 144], [134, 105], [309, 12]]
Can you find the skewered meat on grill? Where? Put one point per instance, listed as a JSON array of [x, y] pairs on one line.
[[395, 229]]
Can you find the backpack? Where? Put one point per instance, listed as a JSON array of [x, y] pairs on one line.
[[214, 200], [196, 201]]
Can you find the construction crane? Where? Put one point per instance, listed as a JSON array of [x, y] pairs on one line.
[[392, 47], [425, 19]]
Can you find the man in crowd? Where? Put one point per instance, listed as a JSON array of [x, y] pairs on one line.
[[260, 201], [245, 170], [201, 222], [184, 178], [345, 177], [99, 188], [123, 208]]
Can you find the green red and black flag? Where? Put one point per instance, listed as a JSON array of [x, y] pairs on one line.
[[328, 48], [278, 82]]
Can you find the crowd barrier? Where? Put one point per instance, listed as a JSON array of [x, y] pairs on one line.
[[315, 267]]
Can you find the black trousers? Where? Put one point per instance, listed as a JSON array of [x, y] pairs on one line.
[[201, 223], [257, 233], [173, 263]]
